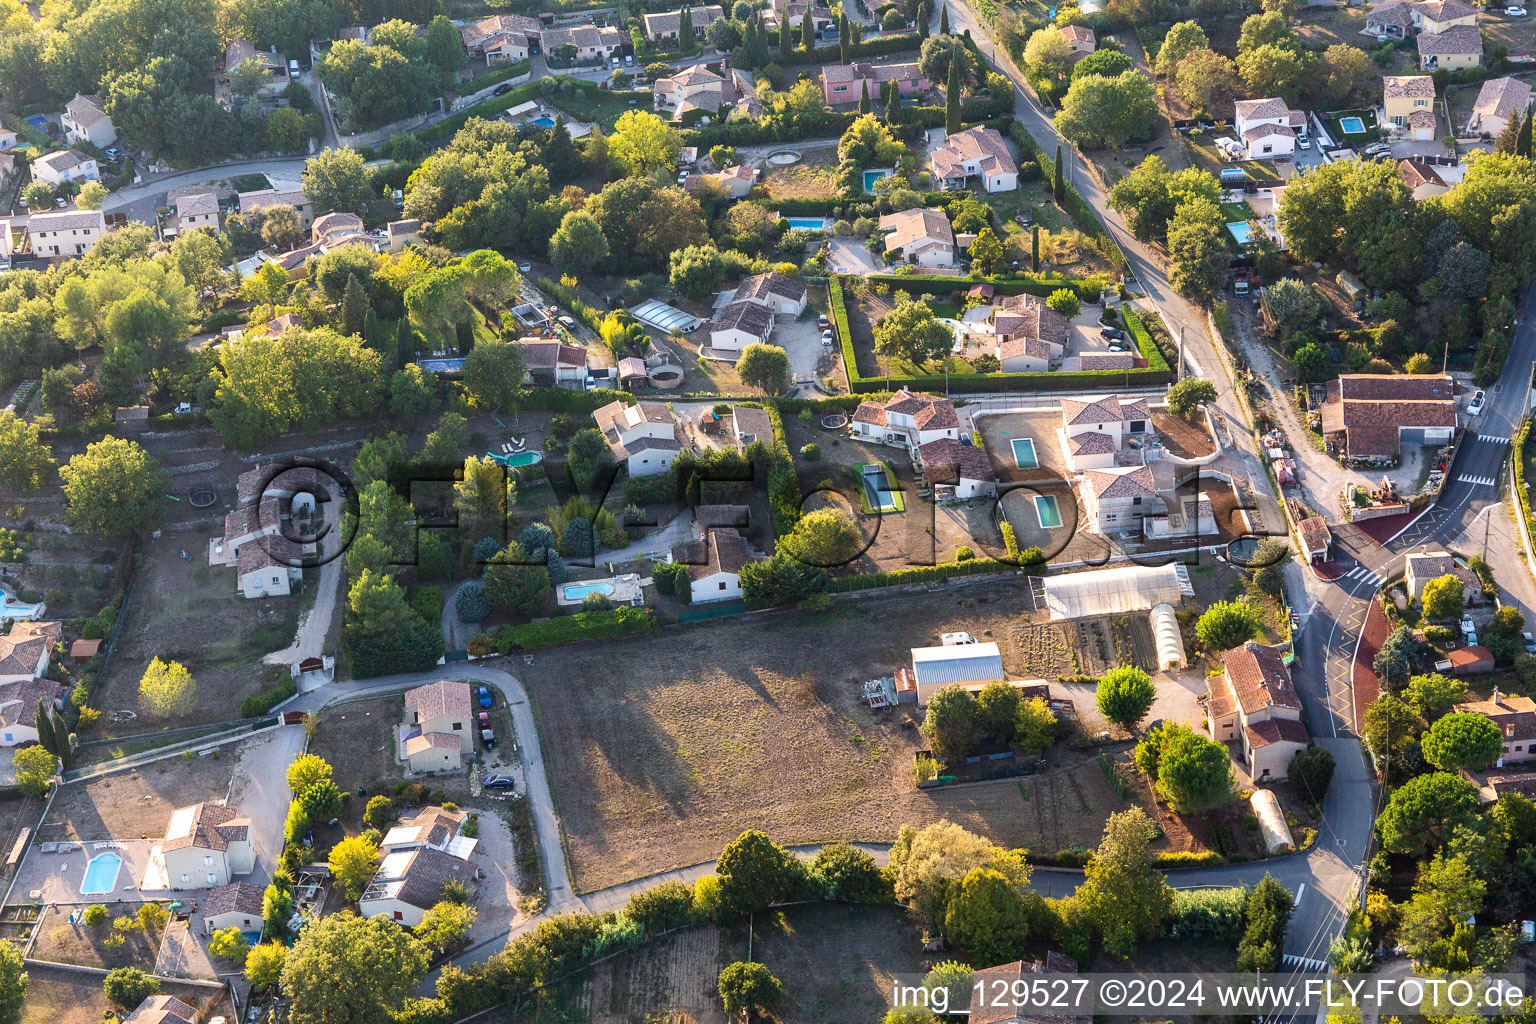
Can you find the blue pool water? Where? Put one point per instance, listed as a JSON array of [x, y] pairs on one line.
[[1024, 453], [38, 121], [872, 176], [100, 874], [543, 122], [579, 591], [1241, 232], [806, 223], [1045, 508], [522, 459], [1352, 125], [441, 365]]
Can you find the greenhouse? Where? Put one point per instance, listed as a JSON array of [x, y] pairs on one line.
[[1130, 588]]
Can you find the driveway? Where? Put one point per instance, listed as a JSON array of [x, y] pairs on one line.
[[801, 338], [309, 640], [848, 256], [260, 792]]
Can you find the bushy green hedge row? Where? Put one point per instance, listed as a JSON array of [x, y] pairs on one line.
[[1144, 340], [823, 125], [566, 629], [932, 573], [449, 126], [548, 399], [1040, 285], [258, 704], [1521, 439], [568, 298], [826, 206], [783, 482], [522, 67]]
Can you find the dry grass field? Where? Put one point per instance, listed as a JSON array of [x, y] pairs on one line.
[[664, 747], [138, 803], [57, 996]]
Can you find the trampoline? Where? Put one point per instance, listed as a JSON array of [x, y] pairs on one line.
[[202, 497], [834, 421]]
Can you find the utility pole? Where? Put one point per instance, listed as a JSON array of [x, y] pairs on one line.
[[1179, 374]]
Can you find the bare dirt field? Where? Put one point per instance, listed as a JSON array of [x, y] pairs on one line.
[[667, 747], [676, 976], [136, 804], [66, 943], [57, 996], [1183, 438], [185, 611]]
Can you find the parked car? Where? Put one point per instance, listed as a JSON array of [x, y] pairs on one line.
[[293, 69], [629, 60], [488, 738], [1116, 347], [822, 321], [826, 338], [1475, 407], [567, 323], [113, 154], [1515, 12], [615, 61], [499, 782], [485, 719], [1304, 141], [1111, 333], [1530, 642], [1377, 149], [484, 695], [61, 202], [503, 89]]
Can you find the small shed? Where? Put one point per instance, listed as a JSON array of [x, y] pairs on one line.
[[1272, 826], [132, 417], [1470, 661], [84, 650]]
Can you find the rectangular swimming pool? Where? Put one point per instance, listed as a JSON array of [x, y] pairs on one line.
[[1024, 453], [1045, 508], [1241, 231], [543, 122], [1352, 125], [881, 493], [806, 223], [581, 591], [872, 176]]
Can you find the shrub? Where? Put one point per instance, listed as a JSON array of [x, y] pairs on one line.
[[94, 916], [569, 628], [964, 553], [812, 451], [470, 602]]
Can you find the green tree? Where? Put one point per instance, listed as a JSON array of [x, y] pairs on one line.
[[346, 968], [1275, 70], [997, 707], [1206, 80], [1424, 812], [353, 861], [1197, 252], [939, 52], [1122, 896], [986, 915], [587, 456], [953, 121], [952, 723], [1395, 660], [264, 964], [926, 862], [579, 244], [987, 251], [445, 926], [13, 983], [1227, 624], [642, 144], [1125, 695], [826, 537], [1392, 730], [167, 689], [229, 944], [1463, 740], [1190, 394], [747, 989], [1267, 911], [513, 583], [25, 462], [764, 366], [1034, 727], [842, 871], [1099, 112], [781, 580], [755, 873], [412, 393], [1182, 38], [493, 375], [1194, 773], [305, 771], [1433, 693], [35, 769], [696, 271], [1104, 63], [128, 987], [910, 332], [1065, 302], [336, 180], [1312, 770], [1444, 597], [113, 489]]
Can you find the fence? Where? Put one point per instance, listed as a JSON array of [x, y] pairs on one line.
[[712, 612]]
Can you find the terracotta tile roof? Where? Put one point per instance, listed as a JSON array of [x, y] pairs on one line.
[[1121, 482], [870, 412], [444, 697], [1421, 119], [1259, 678], [1416, 172], [744, 316], [422, 742], [1249, 110], [711, 517], [1458, 40], [83, 649], [236, 897], [1515, 716], [204, 204], [977, 143], [1391, 13], [719, 551], [1106, 361], [881, 73], [988, 982], [1372, 408], [205, 826], [18, 701], [162, 1009], [947, 457], [67, 220], [263, 198], [24, 648], [1474, 658], [910, 227], [85, 110], [764, 286], [1260, 131], [754, 422], [1276, 730], [667, 23], [1445, 10], [1502, 97], [1314, 533], [63, 160], [1417, 87], [1078, 33], [1029, 316], [551, 355], [1091, 443], [1101, 410], [1013, 345]]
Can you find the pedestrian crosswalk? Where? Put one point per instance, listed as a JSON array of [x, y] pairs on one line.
[[1482, 481], [1360, 572], [1491, 439]]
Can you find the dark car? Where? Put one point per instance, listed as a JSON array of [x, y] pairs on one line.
[[500, 782], [485, 697], [503, 89], [485, 719], [1111, 333]]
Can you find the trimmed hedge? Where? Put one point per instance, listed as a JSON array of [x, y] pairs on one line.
[[258, 704], [1144, 341], [784, 495], [568, 298], [567, 629], [826, 206], [449, 126], [931, 573], [548, 399], [1522, 438], [522, 67], [1086, 289]]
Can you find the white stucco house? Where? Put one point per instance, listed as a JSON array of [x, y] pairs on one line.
[[739, 324], [922, 238], [1116, 498], [907, 419], [1268, 128], [718, 576], [410, 882], [1092, 432], [205, 846], [977, 152], [85, 121], [643, 437], [961, 471], [786, 296], [64, 167]]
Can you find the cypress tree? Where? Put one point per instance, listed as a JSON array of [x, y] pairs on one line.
[[354, 306], [893, 107], [786, 35], [944, 20], [952, 99], [1034, 249], [685, 28], [808, 34], [371, 329], [405, 345], [65, 751], [855, 35], [1509, 138], [1059, 185], [44, 724], [464, 336], [843, 37], [1523, 142], [760, 50], [864, 98], [924, 9]]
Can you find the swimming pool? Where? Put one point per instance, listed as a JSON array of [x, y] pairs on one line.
[[522, 459], [543, 122], [1045, 508], [38, 121], [1352, 125], [10, 608], [100, 874], [806, 223], [581, 591], [441, 365], [880, 492], [872, 176], [1241, 231], [1024, 453]]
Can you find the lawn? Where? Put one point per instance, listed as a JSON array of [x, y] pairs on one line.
[[1331, 121], [809, 179], [1201, 151], [602, 107], [1319, 28], [752, 723], [183, 610]]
